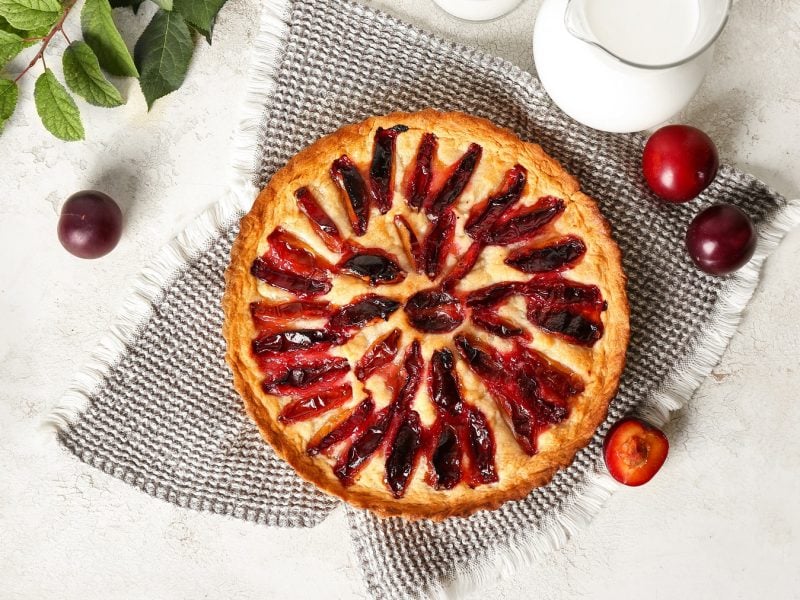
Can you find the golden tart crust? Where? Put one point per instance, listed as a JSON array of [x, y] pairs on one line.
[[599, 366]]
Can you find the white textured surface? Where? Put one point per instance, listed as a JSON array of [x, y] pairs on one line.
[[720, 520]]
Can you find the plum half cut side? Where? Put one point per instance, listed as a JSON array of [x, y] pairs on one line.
[[634, 451]]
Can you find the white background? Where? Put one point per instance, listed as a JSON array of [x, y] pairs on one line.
[[720, 521]]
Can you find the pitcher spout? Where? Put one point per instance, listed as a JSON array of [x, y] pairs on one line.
[[576, 21]]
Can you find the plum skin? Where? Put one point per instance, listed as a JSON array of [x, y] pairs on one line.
[[679, 162], [721, 239], [90, 225]]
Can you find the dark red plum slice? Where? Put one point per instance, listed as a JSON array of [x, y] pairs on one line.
[[289, 253], [322, 223], [403, 454], [556, 380], [454, 185], [446, 459], [410, 242], [484, 215], [525, 223], [463, 266], [434, 311], [314, 405], [349, 179], [266, 314], [364, 446], [556, 291], [349, 427], [293, 340], [492, 295], [481, 449], [299, 376], [410, 377], [547, 412], [558, 256], [378, 355], [443, 384], [490, 321], [574, 326], [438, 244], [419, 184], [302, 287], [366, 310], [376, 266], [485, 364], [381, 171]]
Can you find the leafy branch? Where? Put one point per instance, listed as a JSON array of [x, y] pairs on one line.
[[160, 59], [45, 40]]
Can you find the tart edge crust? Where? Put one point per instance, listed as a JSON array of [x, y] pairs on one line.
[[598, 232]]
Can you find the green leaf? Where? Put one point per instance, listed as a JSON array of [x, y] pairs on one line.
[[84, 77], [164, 4], [205, 34], [30, 14], [8, 100], [10, 45], [132, 4], [56, 108], [6, 26], [162, 55], [31, 33], [200, 14], [102, 36]]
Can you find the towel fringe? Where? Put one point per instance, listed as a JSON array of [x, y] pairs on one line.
[[266, 55]]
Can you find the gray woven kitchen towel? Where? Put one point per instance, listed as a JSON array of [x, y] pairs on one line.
[[156, 407]]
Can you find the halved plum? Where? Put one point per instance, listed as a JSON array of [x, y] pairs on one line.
[[634, 451]]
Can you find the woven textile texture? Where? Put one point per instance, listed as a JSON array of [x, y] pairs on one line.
[[165, 417]]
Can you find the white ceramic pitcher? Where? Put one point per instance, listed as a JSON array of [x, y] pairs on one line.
[[625, 65]]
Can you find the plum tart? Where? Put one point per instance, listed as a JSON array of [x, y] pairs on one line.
[[425, 316]]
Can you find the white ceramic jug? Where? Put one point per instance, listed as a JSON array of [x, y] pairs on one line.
[[625, 65]]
